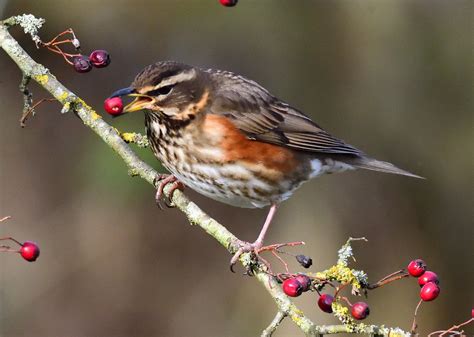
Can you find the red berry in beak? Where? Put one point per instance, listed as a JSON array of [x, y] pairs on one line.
[[82, 64], [228, 3], [416, 267], [360, 310], [99, 58], [29, 251], [428, 276], [429, 292], [325, 303], [113, 106], [292, 287]]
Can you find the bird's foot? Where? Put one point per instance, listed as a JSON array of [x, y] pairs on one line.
[[161, 180], [256, 248]]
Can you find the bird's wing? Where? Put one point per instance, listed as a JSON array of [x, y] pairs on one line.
[[263, 117]]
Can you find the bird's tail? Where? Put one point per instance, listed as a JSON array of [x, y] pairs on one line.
[[381, 166]]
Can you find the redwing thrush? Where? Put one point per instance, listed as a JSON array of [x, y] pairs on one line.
[[231, 140]]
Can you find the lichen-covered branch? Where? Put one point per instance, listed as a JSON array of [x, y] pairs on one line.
[[71, 102], [275, 323]]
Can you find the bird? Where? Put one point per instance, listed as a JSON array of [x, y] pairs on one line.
[[228, 138]]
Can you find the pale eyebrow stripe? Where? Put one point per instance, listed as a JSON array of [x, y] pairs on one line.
[[181, 77]]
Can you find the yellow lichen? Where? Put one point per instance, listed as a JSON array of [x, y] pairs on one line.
[[340, 273], [63, 96], [129, 137], [95, 115], [42, 79]]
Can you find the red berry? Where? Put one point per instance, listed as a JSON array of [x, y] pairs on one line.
[[228, 3], [114, 106], [325, 303], [428, 276], [99, 58], [472, 313], [360, 310], [416, 267], [292, 287], [304, 280], [29, 251], [429, 291], [82, 64]]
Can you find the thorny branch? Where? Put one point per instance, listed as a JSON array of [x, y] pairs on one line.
[[71, 102]]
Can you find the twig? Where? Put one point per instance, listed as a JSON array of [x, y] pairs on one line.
[[279, 317], [414, 325], [388, 279], [452, 329], [26, 114], [5, 218]]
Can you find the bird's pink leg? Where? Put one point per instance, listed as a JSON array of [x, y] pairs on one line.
[[245, 247]]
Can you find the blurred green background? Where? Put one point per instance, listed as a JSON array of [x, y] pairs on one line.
[[394, 78]]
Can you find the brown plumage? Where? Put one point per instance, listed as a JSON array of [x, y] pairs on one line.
[[228, 138]]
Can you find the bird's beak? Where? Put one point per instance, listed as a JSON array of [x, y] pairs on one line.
[[139, 103]]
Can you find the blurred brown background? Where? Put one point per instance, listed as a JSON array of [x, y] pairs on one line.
[[391, 77]]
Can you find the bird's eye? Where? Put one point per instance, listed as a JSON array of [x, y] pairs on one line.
[[161, 91]]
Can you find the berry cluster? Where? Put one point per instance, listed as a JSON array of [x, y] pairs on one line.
[[81, 63], [295, 285], [98, 58], [428, 280]]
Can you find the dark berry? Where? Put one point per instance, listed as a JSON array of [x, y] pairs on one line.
[[360, 310], [304, 260], [325, 303], [82, 64], [416, 267], [29, 251], [114, 106], [228, 3], [428, 276], [304, 280], [292, 287], [99, 58], [429, 291]]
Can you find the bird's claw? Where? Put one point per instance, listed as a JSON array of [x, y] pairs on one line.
[[160, 182], [256, 248], [245, 247]]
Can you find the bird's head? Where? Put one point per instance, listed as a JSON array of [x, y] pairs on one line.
[[170, 89]]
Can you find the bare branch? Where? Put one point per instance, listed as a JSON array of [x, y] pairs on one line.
[[279, 317]]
